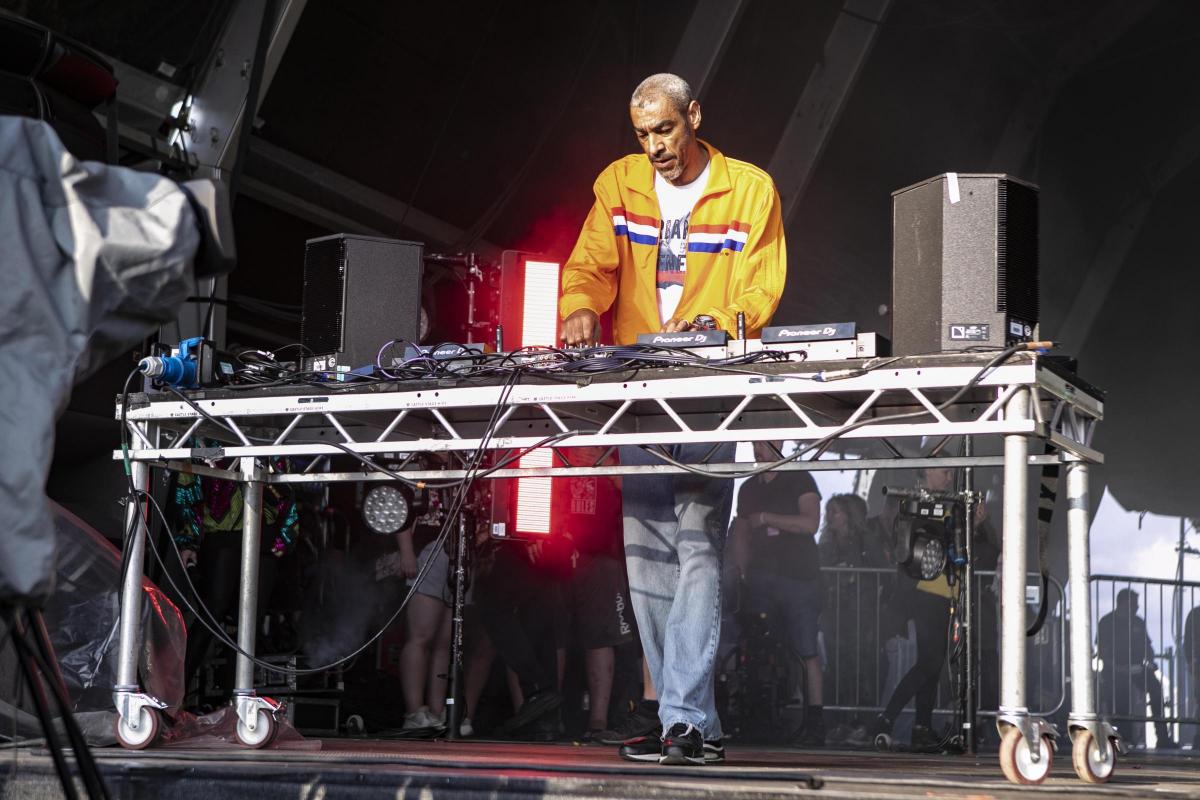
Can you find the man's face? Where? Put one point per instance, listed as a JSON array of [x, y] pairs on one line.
[[668, 138], [939, 479]]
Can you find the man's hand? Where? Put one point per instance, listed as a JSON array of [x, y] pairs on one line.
[[676, 325], [581, 329], [409, 566], [188, 557]]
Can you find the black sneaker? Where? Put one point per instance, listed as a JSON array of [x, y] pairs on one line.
[[682, 745], [642, 748], [535, 706], [714, 752], [924, 740], [641, 722]]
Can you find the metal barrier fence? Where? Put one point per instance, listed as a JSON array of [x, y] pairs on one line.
[[870, 644], [1148, 657]]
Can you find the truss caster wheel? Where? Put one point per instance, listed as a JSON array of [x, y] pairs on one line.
[[264, 730], [1085, 757], [146, 732], [883, 742], [1016, 761]]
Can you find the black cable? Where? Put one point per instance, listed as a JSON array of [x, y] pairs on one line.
[[43, 655], [206, 618], [42, 708]]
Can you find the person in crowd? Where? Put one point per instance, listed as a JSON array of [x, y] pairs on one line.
[[851, 621], [586, 511], [927, 605], [425, 656], [518, 600], [1128, 675], [775, 554], [679, 236], [1191, 660], [207, 515]]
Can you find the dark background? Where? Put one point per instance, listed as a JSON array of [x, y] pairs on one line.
[[495, 117]]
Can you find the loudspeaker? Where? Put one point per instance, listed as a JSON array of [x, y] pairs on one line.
[[964, 263], [360, 293]]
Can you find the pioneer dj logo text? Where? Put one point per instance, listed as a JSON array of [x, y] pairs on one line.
[[827, 331]]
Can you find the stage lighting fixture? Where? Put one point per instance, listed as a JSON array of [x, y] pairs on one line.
[[924, 542], [386, 509], [529, 291]]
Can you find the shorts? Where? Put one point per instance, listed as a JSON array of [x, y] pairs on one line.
[[436, 582], [790, 605], [600, 603]]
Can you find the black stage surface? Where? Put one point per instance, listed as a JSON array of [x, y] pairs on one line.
[[336, 768]]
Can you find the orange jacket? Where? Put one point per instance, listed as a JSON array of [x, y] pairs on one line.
[[736, 258]]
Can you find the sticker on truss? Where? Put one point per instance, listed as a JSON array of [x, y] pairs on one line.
[[969, 332]]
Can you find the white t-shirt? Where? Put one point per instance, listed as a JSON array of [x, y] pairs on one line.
[[675, 204]]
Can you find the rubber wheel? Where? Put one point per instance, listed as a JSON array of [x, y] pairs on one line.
[[264, 731], [144, 735], [1085, 758], [1017, 762]]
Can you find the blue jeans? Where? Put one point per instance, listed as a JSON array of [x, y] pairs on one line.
[[674, 539]]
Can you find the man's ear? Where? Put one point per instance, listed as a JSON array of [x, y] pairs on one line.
[[693, 114]]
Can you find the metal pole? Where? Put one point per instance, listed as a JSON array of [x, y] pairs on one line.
[[131, 585], [454, 711], [252, 493], [968, 613], [1083, 692], [1012, 576]]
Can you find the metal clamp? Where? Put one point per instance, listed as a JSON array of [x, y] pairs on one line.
[[248, 706], [1102, 731], [130, 703], [1032, 728]]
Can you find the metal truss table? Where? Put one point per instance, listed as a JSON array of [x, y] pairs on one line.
[[1028, 397]]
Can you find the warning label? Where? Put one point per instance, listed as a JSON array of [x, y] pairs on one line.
[[969, 332]]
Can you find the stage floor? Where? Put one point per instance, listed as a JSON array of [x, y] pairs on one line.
[[335, 768]]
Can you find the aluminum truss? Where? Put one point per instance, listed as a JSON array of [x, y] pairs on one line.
[[1026, 398]]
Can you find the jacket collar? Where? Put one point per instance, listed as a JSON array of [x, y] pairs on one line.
[[641, 177]]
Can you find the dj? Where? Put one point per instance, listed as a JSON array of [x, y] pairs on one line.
[[678, 233]]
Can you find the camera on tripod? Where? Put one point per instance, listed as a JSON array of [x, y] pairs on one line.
[[929, 535]]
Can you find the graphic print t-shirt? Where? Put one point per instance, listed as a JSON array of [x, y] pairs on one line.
[[675, 205]]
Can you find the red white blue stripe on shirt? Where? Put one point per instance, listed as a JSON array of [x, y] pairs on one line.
[[639, 229], [715, 238], [701, 238]]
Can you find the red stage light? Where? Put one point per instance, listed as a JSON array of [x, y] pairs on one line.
[[529, 291], [533, 495]]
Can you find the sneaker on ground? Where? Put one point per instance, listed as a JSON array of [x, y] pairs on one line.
[[433, 720], [857, 737], [714, 752], [642, 721], [416, 719], [642, 748], [924, 740], [682, 745], [535, 706], [465, 728]]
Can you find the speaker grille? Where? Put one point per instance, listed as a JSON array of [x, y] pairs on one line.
[[324, 295], [1017, 251]]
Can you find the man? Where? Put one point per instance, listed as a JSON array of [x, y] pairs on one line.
[[676, 233], [1129, 673], [775, 553]]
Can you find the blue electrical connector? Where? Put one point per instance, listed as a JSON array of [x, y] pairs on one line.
[[181, 369]]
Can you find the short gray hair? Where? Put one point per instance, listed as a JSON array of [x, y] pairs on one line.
[[663, 84]]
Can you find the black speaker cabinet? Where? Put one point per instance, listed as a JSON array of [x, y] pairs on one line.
[[964, 263], [360, 292]]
